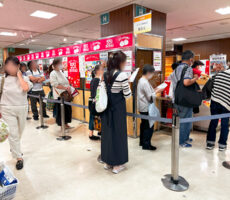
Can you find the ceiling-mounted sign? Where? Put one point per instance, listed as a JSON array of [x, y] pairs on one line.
[[104, 18], [140, 10], [142, 23]]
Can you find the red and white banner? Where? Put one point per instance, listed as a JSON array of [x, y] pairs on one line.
[[73, 71], [115, 42]]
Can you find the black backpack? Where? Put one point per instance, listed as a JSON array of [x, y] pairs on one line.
[[207, 89], [188, 96]]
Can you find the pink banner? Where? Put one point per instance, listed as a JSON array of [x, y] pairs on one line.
[[115, 42]]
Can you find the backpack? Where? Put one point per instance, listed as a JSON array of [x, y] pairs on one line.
[[187, 96], [207, 89]]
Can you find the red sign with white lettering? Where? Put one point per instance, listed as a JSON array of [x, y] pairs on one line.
[[73, 71]]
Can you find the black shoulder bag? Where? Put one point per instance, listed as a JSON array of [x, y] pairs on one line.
[[207, 89], [188, 96]]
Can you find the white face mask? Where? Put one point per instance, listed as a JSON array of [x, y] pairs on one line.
[[60, 67], [150, 76]]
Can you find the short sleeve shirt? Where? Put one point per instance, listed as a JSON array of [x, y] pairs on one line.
[[176, 75], [36, 86]]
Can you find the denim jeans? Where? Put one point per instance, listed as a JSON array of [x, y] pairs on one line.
[[185, 128], [217, 108], [91, 122]]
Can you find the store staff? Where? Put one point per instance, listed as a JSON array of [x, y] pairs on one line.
[[37, 78]]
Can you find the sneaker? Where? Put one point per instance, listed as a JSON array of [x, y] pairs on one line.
[[210, 146], [118, 169], [185, 145], [190, 140], [93, 137], [221, 148], [107, 167], [19, 164]]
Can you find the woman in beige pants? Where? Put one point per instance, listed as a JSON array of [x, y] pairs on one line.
[[14, 104]]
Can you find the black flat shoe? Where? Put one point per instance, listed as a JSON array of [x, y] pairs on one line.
[[19, 164], [152, 148], [46, 116], [36, 118], [93, 137]]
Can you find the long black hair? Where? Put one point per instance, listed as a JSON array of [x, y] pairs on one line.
[[114, 63], [94, 72], [12, 59]]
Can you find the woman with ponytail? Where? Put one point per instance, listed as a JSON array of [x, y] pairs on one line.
[[114, 145]]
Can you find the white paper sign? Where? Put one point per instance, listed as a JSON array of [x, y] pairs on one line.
[[142, 23], [82, 66], [157, 61]]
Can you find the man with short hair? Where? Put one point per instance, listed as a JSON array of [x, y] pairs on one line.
[[189, 79], [37, 78]]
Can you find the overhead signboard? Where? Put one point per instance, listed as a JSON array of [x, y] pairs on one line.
[[104, 18], [140, 10], [142, 23]]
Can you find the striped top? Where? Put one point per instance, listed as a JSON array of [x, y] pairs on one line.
[[221, 89], [121, 84]]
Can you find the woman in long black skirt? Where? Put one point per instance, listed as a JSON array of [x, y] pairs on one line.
[[114, 145]]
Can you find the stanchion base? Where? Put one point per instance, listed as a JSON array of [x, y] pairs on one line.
[[64, 138], [226, 164], [43, 127], [181, 185]]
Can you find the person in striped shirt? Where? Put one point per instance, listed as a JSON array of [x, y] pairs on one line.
[[220, 104]]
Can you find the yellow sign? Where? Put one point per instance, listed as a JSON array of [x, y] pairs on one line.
[[143, 23]]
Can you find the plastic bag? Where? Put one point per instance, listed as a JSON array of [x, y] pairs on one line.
[[101, 98], [4, 130], [153, 112]]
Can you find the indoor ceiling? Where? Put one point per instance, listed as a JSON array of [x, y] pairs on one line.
[[78, 20]]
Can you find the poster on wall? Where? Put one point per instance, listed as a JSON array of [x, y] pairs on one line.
[[206, 67], [217, 62], [90, 62], [157, 60], [73, 71], [142, 23], [65, 66]]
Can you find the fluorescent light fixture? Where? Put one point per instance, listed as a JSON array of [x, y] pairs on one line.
[[8, 34], [223, 11], [78, 42], [178, 39], [21, 44], [43, 14], [49, 47], [1, 4], [33, 40]]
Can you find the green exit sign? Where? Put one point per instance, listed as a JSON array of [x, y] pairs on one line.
[[104, 18]]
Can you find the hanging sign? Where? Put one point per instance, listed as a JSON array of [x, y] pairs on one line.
[[120, 41], [142, 23], [73, 71]]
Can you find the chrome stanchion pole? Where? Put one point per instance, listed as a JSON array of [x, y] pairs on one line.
[[63, 131], [173, 181], [41, 113]]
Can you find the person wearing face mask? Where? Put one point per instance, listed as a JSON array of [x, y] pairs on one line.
[[60, 84], [36, 77], [14, 105], [145, 96], [183, 111]]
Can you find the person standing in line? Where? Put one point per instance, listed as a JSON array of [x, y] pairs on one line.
[[37, 78], [145, 96], [60, 84], [14, 105], [189, 79], [96, 77], [23, 68], [114, 144], [220, 104]]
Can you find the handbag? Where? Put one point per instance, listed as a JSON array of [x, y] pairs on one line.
[[101, 98], [187, 96], [207, 89], [65, 95]]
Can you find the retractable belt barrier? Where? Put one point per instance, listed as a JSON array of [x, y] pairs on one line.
[[171, 181]]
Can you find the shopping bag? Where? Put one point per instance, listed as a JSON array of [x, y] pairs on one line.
[[4, 130], [50, 105], [97, 123], [101, 98], [153, 112]]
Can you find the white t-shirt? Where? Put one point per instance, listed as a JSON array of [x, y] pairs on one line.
[[36, 86], [13, 94]]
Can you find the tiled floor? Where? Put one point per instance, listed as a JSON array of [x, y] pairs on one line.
[[68, 170]]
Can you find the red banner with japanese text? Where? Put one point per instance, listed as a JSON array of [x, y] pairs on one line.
[[73, 71]]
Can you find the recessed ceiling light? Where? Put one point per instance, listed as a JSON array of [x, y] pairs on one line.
[[21, 44], [178, 39], [1, 4], [43, 14], [8, 34], [33, 40], [65, 39], [78, 42], [223, 11], [50, 47]]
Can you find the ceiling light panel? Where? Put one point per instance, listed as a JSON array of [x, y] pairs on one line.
[[43, 14]]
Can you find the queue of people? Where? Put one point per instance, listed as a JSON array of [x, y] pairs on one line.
[[114, 144]]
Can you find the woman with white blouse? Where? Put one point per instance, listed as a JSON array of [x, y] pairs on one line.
[[14, 105], [59, 84]]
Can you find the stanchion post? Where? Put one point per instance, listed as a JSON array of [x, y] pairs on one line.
[[173, 181], [41, 113], [63, 134]]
